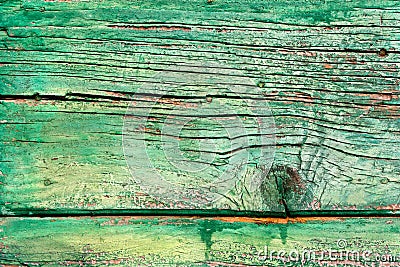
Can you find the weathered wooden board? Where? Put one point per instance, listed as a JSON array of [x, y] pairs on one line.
[[323, 75], [150, 241]]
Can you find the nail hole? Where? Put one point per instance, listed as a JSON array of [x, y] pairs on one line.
[[384, 181], [37, 97], [383, 52]]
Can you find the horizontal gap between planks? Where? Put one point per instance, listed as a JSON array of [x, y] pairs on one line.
[[230, 215]]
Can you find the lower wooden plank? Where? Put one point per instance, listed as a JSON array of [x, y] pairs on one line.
[[191, 241]]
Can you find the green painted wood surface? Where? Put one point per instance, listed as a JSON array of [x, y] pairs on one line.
[[171, 241], [328, 71], [77, 78]]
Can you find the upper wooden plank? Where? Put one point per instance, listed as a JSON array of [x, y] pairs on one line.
[[320, 77]]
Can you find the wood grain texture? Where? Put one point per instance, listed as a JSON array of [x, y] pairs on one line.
[[161, 241], [328, 71]]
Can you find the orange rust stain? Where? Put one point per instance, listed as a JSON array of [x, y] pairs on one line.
[[385, 95], [170, 101], [126, 220], [276, 220], [150, 130], [189, 220], [392, 110], [304, 98], [17, 101], [328, 66], [349, 58], [394, 207], [309, 54], [391, 68], [376, 102], [111, 93]]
